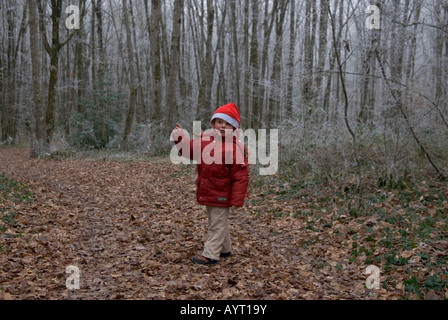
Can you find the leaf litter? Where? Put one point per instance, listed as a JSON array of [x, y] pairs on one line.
[[132, 227]]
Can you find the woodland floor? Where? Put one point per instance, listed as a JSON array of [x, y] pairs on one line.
[[131, 228]]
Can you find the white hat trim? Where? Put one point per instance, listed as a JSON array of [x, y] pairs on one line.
[[227, 119]]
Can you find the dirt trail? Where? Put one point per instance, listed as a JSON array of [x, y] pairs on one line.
[[132, 227]]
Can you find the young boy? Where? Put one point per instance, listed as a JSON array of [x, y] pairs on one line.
[[223, 178]]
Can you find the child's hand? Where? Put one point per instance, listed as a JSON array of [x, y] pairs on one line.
[[178, 129], [177, 132]]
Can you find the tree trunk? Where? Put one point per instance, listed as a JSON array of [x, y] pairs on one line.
[[254, 66], [132, 84], [368, 81], [291, 71], [102, 108], [8, 125], [80, 73], [140, 104], [236, 84], [268, 25], [438, 51], [50, 114], [174, 66], [322, 54], [246, 72], [308, 52], [204, 99], [396, 48], [274, 106], [155, 60], [37, 140], [53, 52], [445, 57]]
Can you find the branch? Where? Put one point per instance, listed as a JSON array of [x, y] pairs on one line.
[[83, 12], [344, 90], [56, 46], [60, 45], [398, 103], [416, 23], [400, 84], [42, 27]]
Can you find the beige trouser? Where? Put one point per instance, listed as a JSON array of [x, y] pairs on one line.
[[218, 235]]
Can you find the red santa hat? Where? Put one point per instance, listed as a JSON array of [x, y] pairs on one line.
[[228, 113]]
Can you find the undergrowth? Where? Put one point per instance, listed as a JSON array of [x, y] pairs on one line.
[[401, 226], [12, 195]]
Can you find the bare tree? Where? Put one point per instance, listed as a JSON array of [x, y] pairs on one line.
[[37, 139], [367, 102], [254, 66], [156, 66], [308, 53], [53, 51], [346, 106], [322, 51], [274, 106], [175, 62], [9, 110], [291, 57], [205, 87], [132, 78]]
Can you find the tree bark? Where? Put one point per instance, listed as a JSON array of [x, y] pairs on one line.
[[140, 104], [346, 105], [274, 106], [246, 71], [53, 51], [205, 88], [175, 62], [254, 66], [308, 53], [37, 140], [368, 81], [291, 71], [102, 107], [235, 51], [156, 13], [132, 84], [9, 113], [268, 25], [322, 53]]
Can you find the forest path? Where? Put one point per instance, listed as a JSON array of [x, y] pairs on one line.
[[132, 227]]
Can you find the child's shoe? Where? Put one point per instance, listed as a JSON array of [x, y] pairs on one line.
[[225, 255], [203, 260]]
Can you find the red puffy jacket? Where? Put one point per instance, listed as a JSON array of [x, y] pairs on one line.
[[218, 184]]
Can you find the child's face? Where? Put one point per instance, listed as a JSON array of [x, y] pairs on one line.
[[222, 126]]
